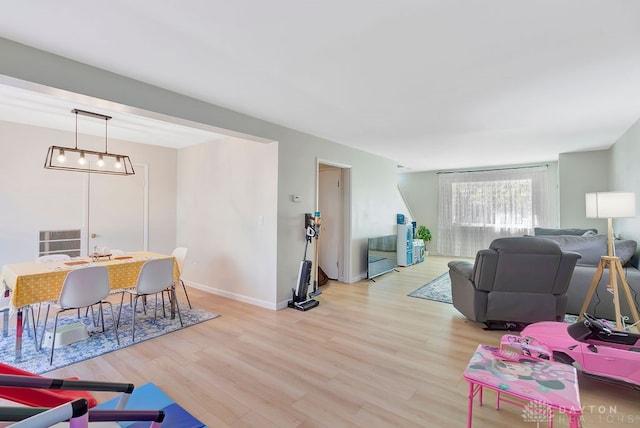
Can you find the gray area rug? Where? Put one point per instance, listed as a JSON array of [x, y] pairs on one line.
[[439, 290]]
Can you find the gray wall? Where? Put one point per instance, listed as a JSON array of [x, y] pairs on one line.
[[624, 175], [580, 173]]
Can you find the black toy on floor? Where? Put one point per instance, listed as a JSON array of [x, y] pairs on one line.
[[505, 325]]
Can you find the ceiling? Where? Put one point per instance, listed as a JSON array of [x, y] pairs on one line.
[[431, 84], [35, 108]]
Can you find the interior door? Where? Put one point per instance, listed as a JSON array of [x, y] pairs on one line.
[[330, 205], [117, 211]]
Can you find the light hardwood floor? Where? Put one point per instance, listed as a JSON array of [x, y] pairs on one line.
[[368, 356]]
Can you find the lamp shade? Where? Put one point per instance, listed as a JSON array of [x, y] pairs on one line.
[[610, 204]]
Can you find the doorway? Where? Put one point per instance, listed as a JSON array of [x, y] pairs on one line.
[[334, 203]]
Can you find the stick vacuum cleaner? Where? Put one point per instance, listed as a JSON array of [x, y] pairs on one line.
[[300, 301]]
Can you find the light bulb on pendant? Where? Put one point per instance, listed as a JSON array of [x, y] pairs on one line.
[[81, 159], [100, 162], [61, 157], [118, 163]]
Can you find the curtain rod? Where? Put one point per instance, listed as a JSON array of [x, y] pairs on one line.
[[493, 169]]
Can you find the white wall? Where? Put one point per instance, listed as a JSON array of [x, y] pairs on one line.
[[227, 217], [33, 198]]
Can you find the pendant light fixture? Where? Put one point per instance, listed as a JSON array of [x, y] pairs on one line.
[[75, 159]]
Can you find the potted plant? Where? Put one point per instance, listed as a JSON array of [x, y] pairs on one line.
[[425, 234]]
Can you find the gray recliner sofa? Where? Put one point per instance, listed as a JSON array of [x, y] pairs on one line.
[[518, 279]]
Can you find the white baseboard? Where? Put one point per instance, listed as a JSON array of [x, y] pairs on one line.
[[235, 296]]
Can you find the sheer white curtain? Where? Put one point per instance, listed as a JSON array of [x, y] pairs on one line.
[[477, 207]]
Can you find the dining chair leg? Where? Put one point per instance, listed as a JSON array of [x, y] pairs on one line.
[[44, 327], [39, 309], [102, 313], [100, 316], [113, 319], [35, 332], [53, 340], [133, 319], [25, 325], [155, 309], [164, 313], [184, 288], [173, 291], [93, 316], [28, 322], [120, 309]]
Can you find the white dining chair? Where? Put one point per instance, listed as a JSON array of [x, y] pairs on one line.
[[155, 277], [53, 258], [50, 258], [180, 254], [82, 288]]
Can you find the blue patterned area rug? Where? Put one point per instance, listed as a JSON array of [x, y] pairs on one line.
[[439, 290], [98, 342]]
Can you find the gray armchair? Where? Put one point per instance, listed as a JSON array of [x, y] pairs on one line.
[[519, 279]]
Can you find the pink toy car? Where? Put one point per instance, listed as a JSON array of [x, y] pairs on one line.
[[592, 348]]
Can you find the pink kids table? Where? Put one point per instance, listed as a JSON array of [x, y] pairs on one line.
[[541, 386]]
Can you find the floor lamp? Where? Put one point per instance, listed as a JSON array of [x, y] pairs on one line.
[[611, 205]]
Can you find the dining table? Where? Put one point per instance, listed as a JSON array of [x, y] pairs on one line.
[[32, 283]]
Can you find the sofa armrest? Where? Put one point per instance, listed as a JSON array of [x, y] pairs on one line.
[[462, 268]]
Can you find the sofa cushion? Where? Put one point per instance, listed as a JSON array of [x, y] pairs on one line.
[[542, 231], [591, 248], [625, 249]]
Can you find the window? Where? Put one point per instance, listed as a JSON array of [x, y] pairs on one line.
[[478, 207], [60, 242], [497, 204]]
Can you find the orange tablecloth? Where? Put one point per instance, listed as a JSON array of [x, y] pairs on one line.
[[34, 282]]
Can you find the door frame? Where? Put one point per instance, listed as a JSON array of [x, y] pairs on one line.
[[85, 237], [344, 262]]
